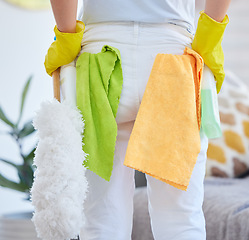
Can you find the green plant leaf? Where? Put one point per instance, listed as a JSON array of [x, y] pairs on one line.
[[9, 162], [5, 119], [25, 173], [27, 129], [24, 94], [4, 182], [30, 157]]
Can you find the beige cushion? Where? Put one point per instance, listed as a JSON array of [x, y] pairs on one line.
[[228, 156]]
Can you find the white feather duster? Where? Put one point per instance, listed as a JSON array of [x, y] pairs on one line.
[[60, 186]]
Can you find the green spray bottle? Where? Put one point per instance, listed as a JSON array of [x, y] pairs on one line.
[[210, 118]]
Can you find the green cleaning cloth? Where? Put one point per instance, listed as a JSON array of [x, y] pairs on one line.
[[98, 88]]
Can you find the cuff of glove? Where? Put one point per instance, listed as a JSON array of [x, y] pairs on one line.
[[80, 27], [203, 15], [209, 25], [209, 31]]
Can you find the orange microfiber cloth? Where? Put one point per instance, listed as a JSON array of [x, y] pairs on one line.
[[165, 140]]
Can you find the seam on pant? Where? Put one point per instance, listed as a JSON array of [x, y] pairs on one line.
[[135, 78]]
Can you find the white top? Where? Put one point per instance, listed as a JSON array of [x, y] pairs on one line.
[[181, 12]]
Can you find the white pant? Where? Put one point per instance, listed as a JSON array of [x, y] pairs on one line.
[[175, 214]]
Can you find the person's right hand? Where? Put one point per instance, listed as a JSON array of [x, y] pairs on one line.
[[64, 49]]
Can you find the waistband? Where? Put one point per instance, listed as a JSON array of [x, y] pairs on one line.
[[139, 33], [172, 24]]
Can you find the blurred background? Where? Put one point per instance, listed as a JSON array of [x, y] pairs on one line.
[[26, 33]]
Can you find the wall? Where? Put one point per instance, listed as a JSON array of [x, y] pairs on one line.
[[25, 37]]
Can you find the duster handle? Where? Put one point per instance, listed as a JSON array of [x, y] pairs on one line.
[[56, 84], [78, 238], [56, 87]]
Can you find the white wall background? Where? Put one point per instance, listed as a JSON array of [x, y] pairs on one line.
[[25, 38]]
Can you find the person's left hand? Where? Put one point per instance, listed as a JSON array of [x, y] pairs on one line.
[[207, 42]]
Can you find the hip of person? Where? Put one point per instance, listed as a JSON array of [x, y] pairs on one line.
[[132, 35]]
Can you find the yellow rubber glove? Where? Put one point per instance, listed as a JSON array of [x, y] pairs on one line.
[[207, 42], [64, 49]]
